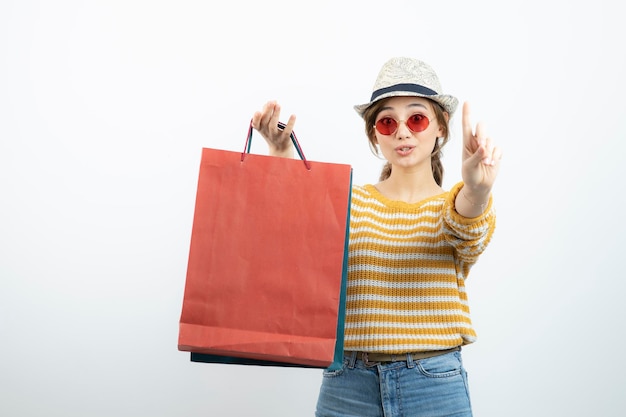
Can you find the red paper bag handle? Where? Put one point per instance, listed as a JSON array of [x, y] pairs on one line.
[[281, 126]]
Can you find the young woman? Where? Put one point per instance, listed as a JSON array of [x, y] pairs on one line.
[[411, 247]]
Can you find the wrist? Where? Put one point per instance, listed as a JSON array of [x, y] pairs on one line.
[[285, 152], [476, 197], [474, 203]]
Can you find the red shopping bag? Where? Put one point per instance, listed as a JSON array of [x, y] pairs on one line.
[[267, 262]]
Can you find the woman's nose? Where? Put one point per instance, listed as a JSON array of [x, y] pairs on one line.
[[403, 130]]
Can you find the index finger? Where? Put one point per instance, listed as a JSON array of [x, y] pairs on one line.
[[466, 123], [288, 127]]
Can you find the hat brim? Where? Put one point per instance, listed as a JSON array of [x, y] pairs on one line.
[[448, 102]]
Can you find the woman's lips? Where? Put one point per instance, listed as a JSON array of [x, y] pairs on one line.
[[404, 150]]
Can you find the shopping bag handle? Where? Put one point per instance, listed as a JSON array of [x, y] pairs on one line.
[[281, 126]]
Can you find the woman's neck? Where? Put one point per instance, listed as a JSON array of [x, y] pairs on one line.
[[409, 186]]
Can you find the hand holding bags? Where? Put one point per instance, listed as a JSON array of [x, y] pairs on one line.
[[267, 263]]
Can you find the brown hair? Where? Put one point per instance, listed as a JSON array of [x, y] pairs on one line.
[[370, 115]]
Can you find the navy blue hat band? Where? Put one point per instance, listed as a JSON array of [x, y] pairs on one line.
[[413, 88]]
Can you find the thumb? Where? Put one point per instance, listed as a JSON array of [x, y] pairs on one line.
[[476, 158]]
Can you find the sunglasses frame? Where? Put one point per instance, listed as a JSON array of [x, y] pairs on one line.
[[402, 121]]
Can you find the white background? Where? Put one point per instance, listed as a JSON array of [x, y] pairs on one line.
[[104, 109]]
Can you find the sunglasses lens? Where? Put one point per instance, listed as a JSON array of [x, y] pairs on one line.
[[417, 123], [386, 126]]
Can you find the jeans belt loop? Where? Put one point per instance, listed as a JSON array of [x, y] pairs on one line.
[[410, 363], [352, 357]]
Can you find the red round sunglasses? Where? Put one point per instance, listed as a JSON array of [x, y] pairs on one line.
[[388, 125]]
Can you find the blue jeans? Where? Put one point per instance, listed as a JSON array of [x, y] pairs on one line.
[[433, 387]]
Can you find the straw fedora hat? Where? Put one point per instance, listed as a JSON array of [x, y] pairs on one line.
[[408, 77]]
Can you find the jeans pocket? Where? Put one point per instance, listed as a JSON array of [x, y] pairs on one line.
[[443, 366]]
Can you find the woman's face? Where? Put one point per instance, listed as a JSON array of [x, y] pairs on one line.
[[404, 148]]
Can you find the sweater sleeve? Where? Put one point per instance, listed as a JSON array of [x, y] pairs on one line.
[[468, 236]]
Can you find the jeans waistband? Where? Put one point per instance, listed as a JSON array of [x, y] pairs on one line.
[[370, 357]]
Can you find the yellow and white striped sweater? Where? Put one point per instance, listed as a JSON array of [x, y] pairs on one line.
[[407, 265]]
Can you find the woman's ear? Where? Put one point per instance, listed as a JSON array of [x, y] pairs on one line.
[[446, 116]]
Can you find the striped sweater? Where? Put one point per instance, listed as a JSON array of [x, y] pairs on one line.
[[407, 265]]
